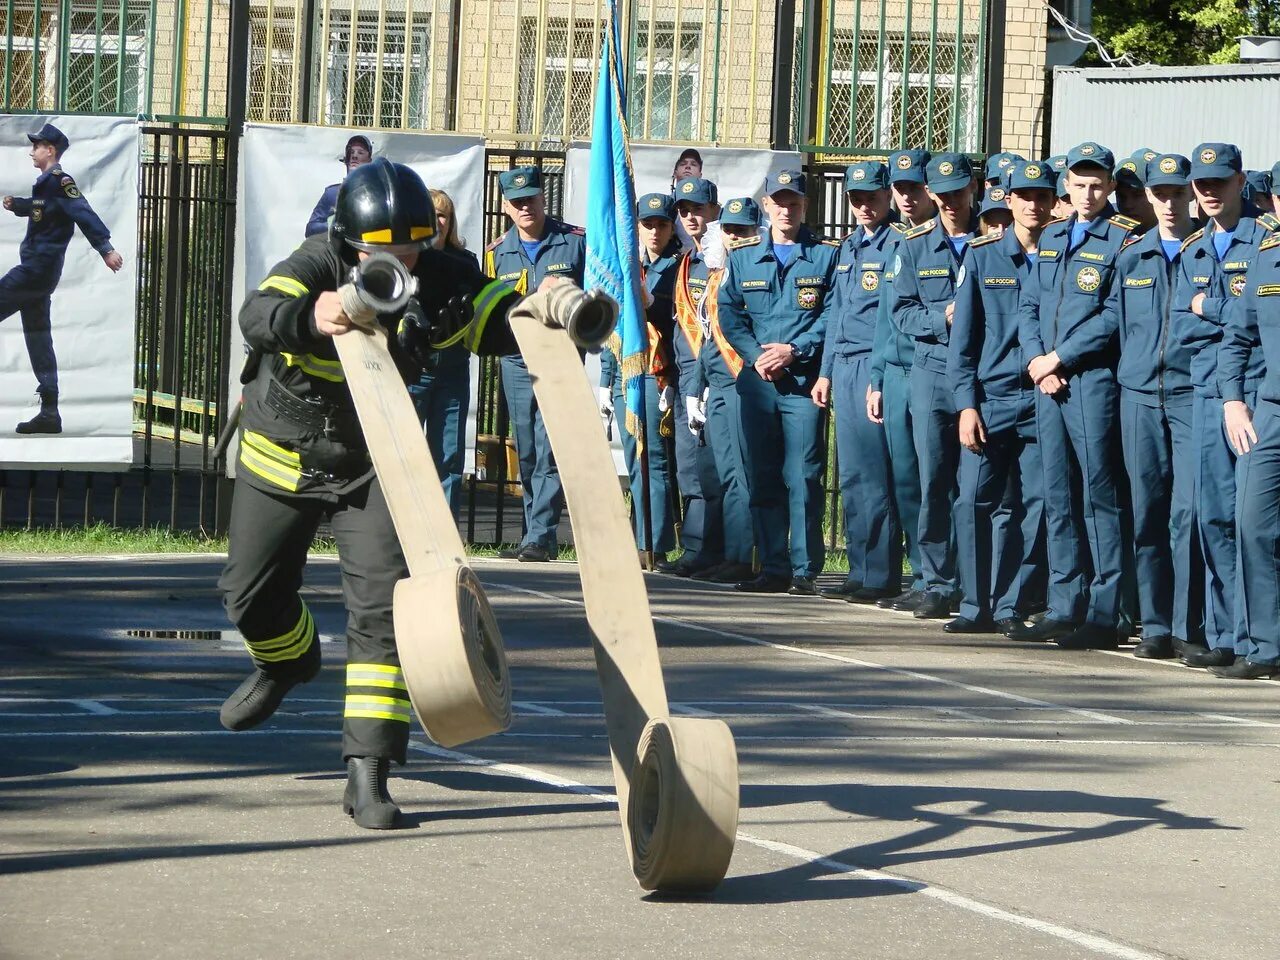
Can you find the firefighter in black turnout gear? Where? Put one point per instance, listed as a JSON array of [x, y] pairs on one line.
[[303, 458]]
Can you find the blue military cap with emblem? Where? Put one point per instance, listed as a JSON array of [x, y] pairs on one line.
[[1168, 170], [866, 175], [907, 166], [656, 205], [1092, 154], [948, 171], [1031, 175], [995, 198], [1257, 183], [51, 134], [999, 164], [520, 182], [784, 181], [1216, 161], [741, 211], [1132, 170], [696, 190]]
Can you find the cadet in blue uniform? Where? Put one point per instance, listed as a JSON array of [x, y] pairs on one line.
[[994, 215], [536, 247], [925, 269], [1062, 209], [998, 167], [873, 535], [659, 257], [1253, 327], [1155, 420], [1001, 552], [1067, 328], [1211, 276], [773, 308], [358, 152], [702, 532], [1257, 190], [1131, 192], [889, 394], [53, 211]]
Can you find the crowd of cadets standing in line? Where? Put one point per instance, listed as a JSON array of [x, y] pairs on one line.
[[1057, 408]]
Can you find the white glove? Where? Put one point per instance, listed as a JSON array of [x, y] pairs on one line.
[[606, 401], [667, 395], [646, 297], [696, 413], [713, 250]]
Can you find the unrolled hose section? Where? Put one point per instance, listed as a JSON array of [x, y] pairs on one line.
[[682, 813], [452, 656]]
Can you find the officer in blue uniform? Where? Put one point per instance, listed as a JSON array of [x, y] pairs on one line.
[[998, 167], [1131, 192], [1155, 420], [1068, 331], [1001, 551], [926, 267], [536, 247], [1211, 276], [889, 396], [1253, 429], [359, 151], [53, 211], [773, 308], [659, 257], [873, 535]]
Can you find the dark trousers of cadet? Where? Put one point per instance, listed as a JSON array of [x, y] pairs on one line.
[[785, 434], [999, 515], [661, 519], [543, 494], [899, 434], [873, 536], [1079, 429], [1216, 524], [702, 528], [723, 433], [1161, 462], [27, 291], [1258, 513], [269, 538], [937, 438], [441, 397]]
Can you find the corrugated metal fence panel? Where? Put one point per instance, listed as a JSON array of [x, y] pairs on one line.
[[1169, 109]]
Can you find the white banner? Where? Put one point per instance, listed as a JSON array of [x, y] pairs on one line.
[[92, 308], [284, 170]]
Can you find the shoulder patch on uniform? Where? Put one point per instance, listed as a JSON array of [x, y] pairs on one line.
[[919, 231], [744, 242], [989, 238], [1271, 241], [69, 186], [1128, 240], [1269, 221], [1192, 239], [1127, 223]]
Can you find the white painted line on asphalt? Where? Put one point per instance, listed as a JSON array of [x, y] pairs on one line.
[[1243, 721], [94, 707], [839, 658], [537, 708], [685, 710], [1088, 941]]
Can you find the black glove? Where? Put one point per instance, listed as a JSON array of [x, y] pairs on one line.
[[415, 334]]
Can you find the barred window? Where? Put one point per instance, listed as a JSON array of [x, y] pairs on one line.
[[665, 87], [382, 78]]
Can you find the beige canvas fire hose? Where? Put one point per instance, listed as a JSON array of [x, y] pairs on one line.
[[676, 777]]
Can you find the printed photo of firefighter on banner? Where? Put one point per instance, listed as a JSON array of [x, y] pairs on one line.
[[68, 241]]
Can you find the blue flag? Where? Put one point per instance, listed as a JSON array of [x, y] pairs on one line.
[[613, 243]]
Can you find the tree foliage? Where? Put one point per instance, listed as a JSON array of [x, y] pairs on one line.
[[1181, 32]]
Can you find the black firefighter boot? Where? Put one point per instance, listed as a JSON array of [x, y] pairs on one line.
[[48, 419], [262, 691], [366, 798]]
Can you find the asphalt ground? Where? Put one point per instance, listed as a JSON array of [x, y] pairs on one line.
[[904, 794]]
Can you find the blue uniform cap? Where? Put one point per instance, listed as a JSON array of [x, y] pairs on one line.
[[741, 211], [51, 134], [908, 166], [948, 171], [998, 164], [996, 198], [520, 182], [1169, 169], [696, 190], [1216, 161], [655, 205], [1275, 178], [866, 175], [1091, 153], [1031, 175], [1132, 171], [1257, 183], [785, 180]]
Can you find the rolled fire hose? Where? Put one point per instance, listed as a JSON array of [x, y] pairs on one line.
[[451, 652], [676, 778]]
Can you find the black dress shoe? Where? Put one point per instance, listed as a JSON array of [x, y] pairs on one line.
[[263, 690], [661, 563], [707, 573], [1008, 625], [869, 595], [910, 602], [890, 603], [1044, 629], [1218, 657], [1185, 648], [965, 625], [533, 553], [842, 592], [765, 583], [509, 553], [366, 798], [803, 587], [1157, 648], [1089, 637], [729, 573], [1244, 669], [933, 606]]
